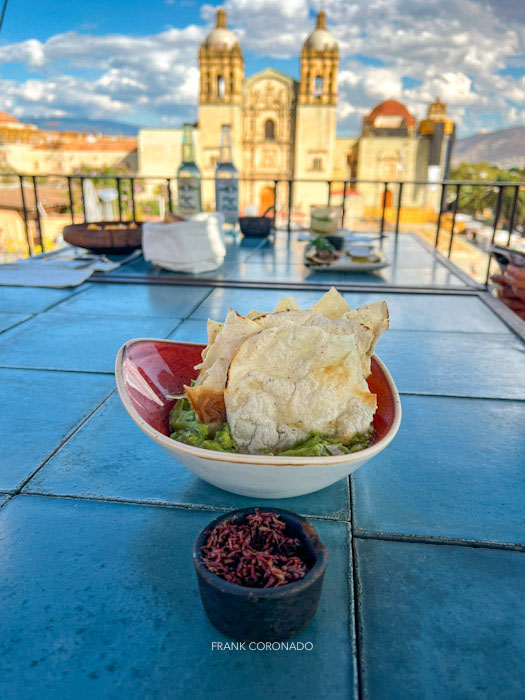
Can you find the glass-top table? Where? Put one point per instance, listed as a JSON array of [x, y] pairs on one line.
[[423, 596]]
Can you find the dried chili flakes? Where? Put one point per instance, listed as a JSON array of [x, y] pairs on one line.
[[256, 552]]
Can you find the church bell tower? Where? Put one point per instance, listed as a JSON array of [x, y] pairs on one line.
[[221, 66], [316, 119]]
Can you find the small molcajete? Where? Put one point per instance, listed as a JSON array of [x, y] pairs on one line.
[[273, 602]]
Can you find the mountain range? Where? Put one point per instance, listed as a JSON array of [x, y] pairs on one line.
[[87, 126], [504, 148]]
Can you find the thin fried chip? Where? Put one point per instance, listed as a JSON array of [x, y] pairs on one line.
[[290, 380], [206, 396], [375, 316], [341, 326], [287, 304], [332, 305]]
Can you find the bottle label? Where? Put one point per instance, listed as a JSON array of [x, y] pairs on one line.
[[227, 199], [189, 196]]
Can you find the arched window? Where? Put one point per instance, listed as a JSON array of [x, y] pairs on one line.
[[318, 86], [269, 130], [220, 87]]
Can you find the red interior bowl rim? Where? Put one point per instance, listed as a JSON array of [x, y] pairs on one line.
[[247, 459]]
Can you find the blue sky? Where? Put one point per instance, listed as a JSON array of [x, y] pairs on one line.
[[136, 62]]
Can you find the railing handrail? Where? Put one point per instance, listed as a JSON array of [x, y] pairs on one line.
[[456, 185], [349, 180]]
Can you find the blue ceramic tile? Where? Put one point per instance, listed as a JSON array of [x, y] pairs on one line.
[[136, 300], [85, 342], [243, 300], [454, 470], [141, 267], [110, 457], [440, 621], [3, 498], [482, 365], [101, 600], [9, 320], [434, 275], [31, 300], [37, 411], [434, 312], [191, 331]]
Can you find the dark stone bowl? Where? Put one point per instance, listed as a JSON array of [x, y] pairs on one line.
[[256, 226], [263, 614]]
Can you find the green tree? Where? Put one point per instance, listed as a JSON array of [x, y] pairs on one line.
[[474, 199]]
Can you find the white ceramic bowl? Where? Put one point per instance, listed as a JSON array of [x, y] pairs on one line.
[[147, 369]]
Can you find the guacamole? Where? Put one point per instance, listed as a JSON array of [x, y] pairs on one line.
[[187, 428]]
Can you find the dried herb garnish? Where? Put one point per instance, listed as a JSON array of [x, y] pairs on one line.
[[256, 552]]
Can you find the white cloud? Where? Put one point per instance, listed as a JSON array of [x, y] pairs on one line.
[[403, 49]]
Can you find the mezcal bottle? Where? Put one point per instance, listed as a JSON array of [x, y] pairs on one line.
[[188, 176], [227, 180]]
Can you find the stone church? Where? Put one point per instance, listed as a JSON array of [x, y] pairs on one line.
[[286, 129]]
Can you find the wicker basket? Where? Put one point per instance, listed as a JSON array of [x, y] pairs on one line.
[[125, 239]]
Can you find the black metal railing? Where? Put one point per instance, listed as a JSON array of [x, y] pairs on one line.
[[126, 209]]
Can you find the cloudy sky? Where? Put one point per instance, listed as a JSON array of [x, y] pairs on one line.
[[136, 62]]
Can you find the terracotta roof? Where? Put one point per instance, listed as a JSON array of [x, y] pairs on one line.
[[120, 144], [391, 108], [5, 117]]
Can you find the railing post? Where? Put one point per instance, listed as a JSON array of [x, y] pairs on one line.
[[24, 208], [275, 185], [119, 199], [329, 183], [495, 228], [513, 213], [400, 195], [132, 182], [83, 199], [343, 205], [290, 203], [38, 219], [170, 197], [71, 203], [382, 230], [456, 202], [441, 202]]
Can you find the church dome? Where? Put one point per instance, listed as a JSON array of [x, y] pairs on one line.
[[221, 37], [320, 39], [391, 109]]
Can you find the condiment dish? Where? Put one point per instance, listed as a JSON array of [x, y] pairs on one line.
[[263, 614]]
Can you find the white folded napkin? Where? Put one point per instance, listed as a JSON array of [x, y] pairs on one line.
[[194, 246]]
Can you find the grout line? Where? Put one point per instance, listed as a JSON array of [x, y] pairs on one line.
[[18, 323], [356, 588], [460, 396], [61, 301], [9, 497], [174, 506], [194, 308], [74, 430], [432, 540]]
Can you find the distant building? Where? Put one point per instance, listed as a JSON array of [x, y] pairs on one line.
[[284, 129], [26, 149]]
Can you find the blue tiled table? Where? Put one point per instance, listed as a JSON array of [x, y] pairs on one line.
[[424, 589]]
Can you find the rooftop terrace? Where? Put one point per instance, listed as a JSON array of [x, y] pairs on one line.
[[424, 585]]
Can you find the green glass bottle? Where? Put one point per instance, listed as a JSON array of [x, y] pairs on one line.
[[188, 176]]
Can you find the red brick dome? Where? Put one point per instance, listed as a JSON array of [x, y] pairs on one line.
[[391, 108], [5, 117]]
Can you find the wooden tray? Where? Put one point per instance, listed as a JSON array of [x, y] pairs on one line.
[[125, 239]]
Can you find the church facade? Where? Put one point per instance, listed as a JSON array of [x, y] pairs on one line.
[[286, 129]]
